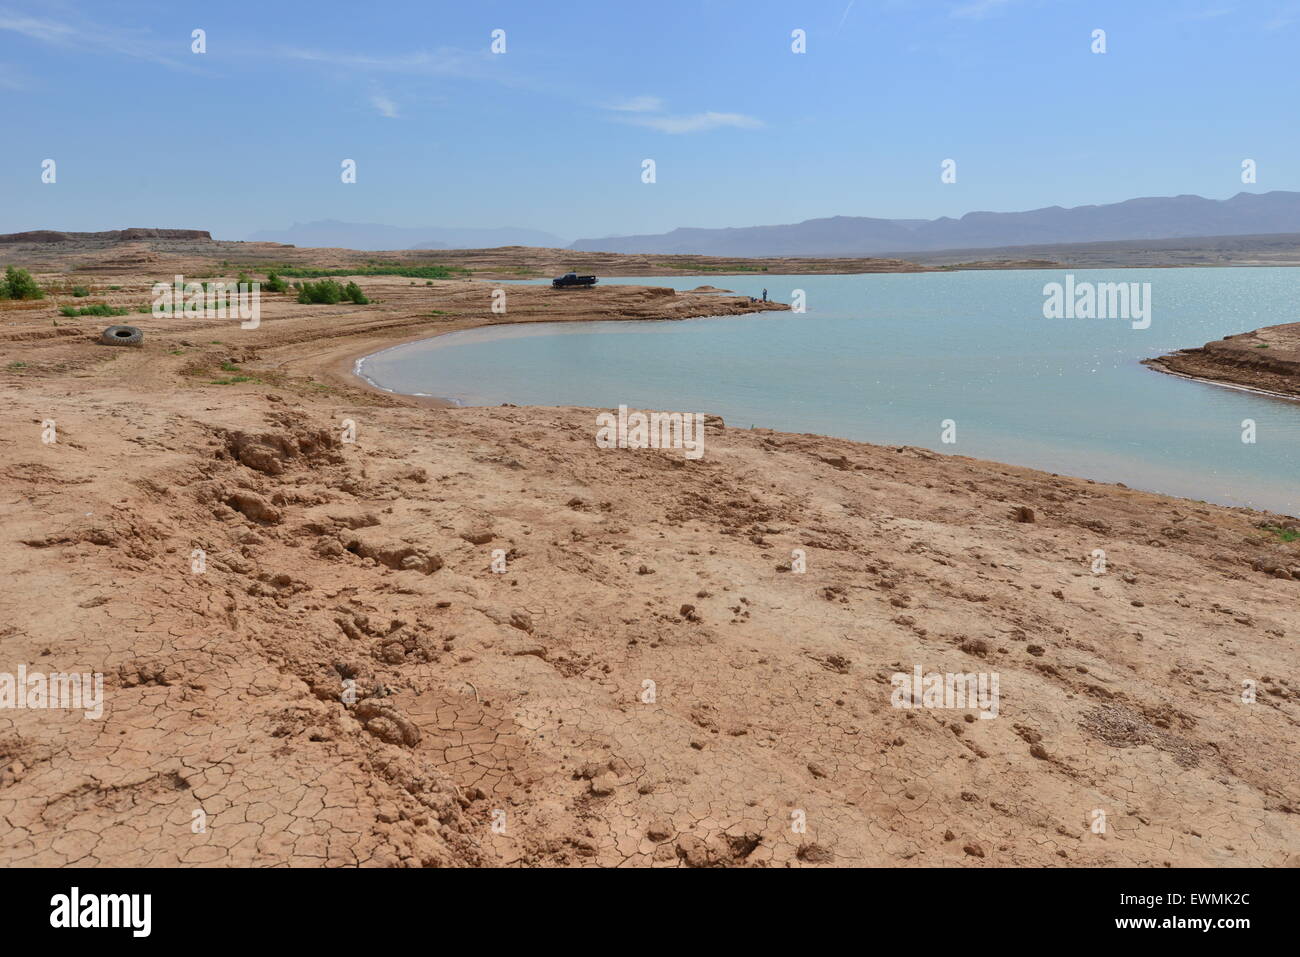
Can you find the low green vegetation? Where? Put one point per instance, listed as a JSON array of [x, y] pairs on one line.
[[326, 292], [19, 284], [99, 309], [80, 291], [697, 268], [274, 283], [179, 309], [1283, 534], [235, 380], [329, 292], [378, 269]]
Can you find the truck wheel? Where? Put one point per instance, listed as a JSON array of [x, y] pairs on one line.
[[122, 336]]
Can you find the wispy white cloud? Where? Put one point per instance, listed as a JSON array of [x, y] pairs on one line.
[[444, 61], [693, 122], [640, 104], [651, 112], [384, 105], [92, 37]]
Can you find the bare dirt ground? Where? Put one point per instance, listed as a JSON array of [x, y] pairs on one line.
[[521, 699], [104, 252], [1265, 360]]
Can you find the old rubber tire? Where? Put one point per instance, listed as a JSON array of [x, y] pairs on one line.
[[122, 336]]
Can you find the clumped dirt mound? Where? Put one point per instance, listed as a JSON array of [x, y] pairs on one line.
[[274, 452]]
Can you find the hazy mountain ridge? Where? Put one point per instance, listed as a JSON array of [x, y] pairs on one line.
[[1170, 217]]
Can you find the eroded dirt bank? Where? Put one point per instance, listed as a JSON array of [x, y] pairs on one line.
[[335, 571], [1265, 360]]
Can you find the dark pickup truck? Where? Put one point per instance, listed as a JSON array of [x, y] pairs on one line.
[[572, 279]]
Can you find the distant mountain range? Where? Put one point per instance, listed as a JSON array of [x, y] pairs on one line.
[[1149, 218], [1170, 217], [374, 236]]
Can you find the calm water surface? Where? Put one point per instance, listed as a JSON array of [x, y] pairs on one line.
[[887, 358]]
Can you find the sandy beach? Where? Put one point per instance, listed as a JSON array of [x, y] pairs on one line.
[[470, 637]]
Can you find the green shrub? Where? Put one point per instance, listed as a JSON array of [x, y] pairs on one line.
[[19, 284], [377, 269], [235, 380], [353, 291], [99, 309], [274, 283], [326, 292], [80, 291]]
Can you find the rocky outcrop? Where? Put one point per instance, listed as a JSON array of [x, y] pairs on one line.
[[1266, 360], [111, 235]]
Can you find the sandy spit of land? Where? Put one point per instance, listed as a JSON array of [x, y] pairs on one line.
[[344, 680], [1266, 360]]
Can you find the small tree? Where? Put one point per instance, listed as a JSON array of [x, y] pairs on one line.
[[327, 292], [19, 284]]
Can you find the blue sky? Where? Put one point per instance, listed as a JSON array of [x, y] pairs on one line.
[[552, 133]]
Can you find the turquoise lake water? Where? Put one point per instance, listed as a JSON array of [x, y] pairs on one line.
[[888, 358]]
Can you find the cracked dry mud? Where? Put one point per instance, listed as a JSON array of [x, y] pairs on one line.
[[518, 698]]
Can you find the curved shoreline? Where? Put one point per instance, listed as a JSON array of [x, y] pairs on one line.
[[354, 362], [350, 362], [1159, 366], [347, 367]]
